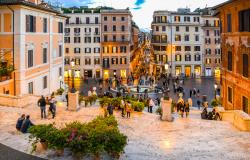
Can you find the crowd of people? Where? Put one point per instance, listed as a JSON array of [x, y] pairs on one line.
[[51, 102]]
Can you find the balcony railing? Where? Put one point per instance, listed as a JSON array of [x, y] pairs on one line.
[[77, 34], [66, 34], [209, 25]]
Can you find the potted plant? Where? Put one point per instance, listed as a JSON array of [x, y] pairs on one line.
[[159, 111], [215, 103], [116, 102]]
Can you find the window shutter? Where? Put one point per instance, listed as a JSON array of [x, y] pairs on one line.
[[34, 24], [245, 65], [27, 23]]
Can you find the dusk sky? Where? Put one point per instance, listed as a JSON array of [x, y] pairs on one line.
[[142, 10]]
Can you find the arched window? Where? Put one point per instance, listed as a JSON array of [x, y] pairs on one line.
[[245, 65]]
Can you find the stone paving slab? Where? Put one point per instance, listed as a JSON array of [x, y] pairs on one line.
[[149, 138]]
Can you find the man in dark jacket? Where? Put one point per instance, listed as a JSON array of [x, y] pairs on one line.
[[42, 104], [20, 122], [26, 124], [110, 109]]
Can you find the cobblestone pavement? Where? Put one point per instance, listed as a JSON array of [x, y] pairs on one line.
[[148, 137]]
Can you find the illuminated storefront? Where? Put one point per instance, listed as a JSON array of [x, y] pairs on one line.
[[217, 72], [123, 73], [187, 71], [178, 71], [106, 74], [197, 70]]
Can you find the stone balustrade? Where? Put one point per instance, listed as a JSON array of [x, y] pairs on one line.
[[17, 101]]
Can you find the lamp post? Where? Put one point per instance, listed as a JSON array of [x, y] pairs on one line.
[[215, 89], [72, 63]]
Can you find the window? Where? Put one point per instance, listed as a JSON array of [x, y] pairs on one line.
[[156, 28], [105, 38], [60, 51], [105, 18], [66, 39], [87, 61], [197, 57], [245, 104], [177, 28], [96, 31], [87, 39], [208, 51], [186, 19], [45, 25], [45, 83], [114, 38], [77, 30], [177, 18], [187, 29], [114, 49], [187, 57], [123, 49], [123, 60], [245, 65], [244, 21], [96, 39], [105, 28], [186, 37], [123, 18], [114, 18], [123, 28], [163, 28], [106, 49], [60, 71], [230, 95], [45, 55], [177, 48], [87, 20], [208, 60], [229, 23], [114, 61], [187, 48], [196, 19], [196, 29], [197, 38], [229, 61], [97, 50], [197, 48], [30, 88], [78, 61], [177, 37], [67, 30], [67, 21], [77, 50], [77, 39], [66, 50], [96, 20], [114, 28], [66, 61], [207, 32], [30, 23], [105, 62], [30, 58], [97, 61], [60, 27], [87, 50], [77, 20], [178, 57]]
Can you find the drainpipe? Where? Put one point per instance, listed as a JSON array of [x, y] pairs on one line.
[[13, 45]]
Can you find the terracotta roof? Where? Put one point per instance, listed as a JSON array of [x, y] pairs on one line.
[[33, 5]]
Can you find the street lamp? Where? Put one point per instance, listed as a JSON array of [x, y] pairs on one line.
[[215, 89], [72, 63], [60, 78]]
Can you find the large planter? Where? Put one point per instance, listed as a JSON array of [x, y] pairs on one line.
[[41, 147], [59, 152]]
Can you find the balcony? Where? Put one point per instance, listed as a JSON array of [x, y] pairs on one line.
[[209, 25], [67, 34], [77, 34], [97, 33], [87, 33], [5, 71]]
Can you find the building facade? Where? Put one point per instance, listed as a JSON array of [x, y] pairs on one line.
[[235, 35], [177, 42], [31, 39], [116, 42], [82, 43], [211, 49]]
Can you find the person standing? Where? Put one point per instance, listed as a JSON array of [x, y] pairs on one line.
[[123, 107], [151, 105], [199, 104], [190, 93], [26, 125], [42, 104], [190, 102], [128, 109], [110, 109], [187, 109], [67, 99], [20, 122], [52, 107]]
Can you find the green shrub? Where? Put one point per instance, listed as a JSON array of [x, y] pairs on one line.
[[137, 106], [98, 136], [215, 103], [159, 111], [104, 101], [60, 91], [116, 102]]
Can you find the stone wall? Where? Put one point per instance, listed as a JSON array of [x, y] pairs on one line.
[[17, 101]]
